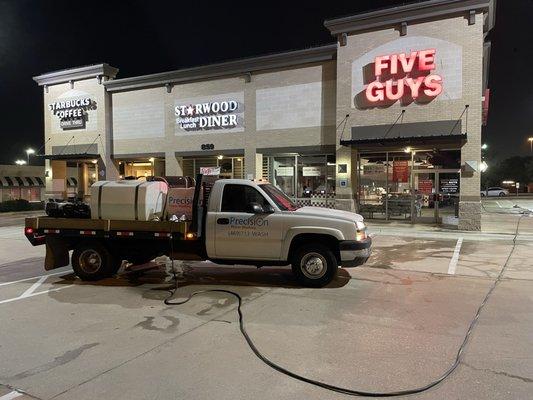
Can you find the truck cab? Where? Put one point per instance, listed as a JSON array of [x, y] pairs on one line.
[[251, 222]]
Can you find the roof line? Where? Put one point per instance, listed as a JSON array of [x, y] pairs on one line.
[[392, 16], [78, 73], [228, 68]]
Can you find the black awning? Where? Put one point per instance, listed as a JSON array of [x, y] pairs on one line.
[[69, 157], [431, 133], [417, 141]]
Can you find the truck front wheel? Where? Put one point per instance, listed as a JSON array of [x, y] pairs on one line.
[[91, 261], [314, 265]]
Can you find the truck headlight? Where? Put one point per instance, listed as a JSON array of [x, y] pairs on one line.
[[360, 231]]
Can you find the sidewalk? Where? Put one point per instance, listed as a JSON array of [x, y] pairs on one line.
[[501, 226], [16, 218], [29, 213]]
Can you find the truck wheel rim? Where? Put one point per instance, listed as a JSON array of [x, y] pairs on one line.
[[90, 261], [313, 265]]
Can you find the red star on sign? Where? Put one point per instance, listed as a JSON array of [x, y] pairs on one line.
[[190, 110]]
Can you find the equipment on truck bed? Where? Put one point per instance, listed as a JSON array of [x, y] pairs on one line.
[[67, 209], [128, 200]]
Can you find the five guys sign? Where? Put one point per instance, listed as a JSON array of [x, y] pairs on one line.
[[399, 76]]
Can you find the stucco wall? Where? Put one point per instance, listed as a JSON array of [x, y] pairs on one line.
[[277, 109]]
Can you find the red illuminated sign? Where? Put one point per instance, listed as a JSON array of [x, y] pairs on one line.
[[404, 75], [400, 171]]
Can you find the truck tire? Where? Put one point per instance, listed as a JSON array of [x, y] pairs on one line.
[[91, 261], [314, 265]]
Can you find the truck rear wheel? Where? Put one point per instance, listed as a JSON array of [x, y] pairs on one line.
[[91, 261], [314, 265]]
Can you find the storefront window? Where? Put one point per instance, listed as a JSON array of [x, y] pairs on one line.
[[421, 187], [284, 174], [230, 167], [10, 193], [30, 193], [308, 179], [312, 176]]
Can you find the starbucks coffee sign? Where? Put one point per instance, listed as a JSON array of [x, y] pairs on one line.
[[72, 113], [208, 115]]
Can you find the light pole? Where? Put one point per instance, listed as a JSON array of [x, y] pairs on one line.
[[530, 140], [28, 152]]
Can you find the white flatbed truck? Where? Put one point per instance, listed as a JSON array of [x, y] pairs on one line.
[[235, 222]]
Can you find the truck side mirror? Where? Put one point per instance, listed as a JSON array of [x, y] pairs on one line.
[[268, 209], [255, 208]]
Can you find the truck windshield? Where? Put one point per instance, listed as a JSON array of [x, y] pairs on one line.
[[281, 199]]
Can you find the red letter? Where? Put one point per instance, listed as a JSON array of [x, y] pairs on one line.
[[407, 65], [433, 85], [414, 85], [394, 64], [426, 60], [380, 63], [374, 92], [399, 90]]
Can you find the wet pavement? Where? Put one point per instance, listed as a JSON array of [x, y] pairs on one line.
[[395, 323]]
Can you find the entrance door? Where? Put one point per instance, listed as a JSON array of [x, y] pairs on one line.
[[425, 197], [436, 196]]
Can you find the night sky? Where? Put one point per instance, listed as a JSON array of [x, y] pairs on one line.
[[142, 37]]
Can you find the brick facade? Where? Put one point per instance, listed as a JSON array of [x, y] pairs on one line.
[[284, 105]]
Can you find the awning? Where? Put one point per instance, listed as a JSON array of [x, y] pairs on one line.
[[15, 181], [69, 157], [455, 141], [436, 134]]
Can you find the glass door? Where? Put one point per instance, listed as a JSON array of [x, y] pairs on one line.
[[436, 196], [448, 192], [425, 197]]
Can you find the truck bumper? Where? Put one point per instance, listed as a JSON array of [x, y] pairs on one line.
[[354, 253]]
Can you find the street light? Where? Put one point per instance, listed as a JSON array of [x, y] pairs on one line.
[[28, 152], [530, 140], [484, 146], [20, 162]]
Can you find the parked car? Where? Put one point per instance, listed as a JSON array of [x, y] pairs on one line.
[[495, 192]]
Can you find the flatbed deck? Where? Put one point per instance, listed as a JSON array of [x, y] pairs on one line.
[[106, 225]]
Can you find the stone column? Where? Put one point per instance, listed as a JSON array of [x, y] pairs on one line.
[[83, 180], [250, 162], [346, 182], [58, 172], [173, 164], [258, 166], [469, 197]]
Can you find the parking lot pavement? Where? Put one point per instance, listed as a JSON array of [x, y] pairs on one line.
[[395, 323]]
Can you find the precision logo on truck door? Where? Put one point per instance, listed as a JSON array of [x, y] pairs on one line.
[[247, 227]]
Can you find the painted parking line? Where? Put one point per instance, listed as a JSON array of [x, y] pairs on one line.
[[455, 258], [32, 278], [34, 294], [31, 291], [11, 395]]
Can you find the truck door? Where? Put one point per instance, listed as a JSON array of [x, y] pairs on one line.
[[242, 234]]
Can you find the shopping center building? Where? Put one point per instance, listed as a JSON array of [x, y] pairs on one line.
[[386, 121]]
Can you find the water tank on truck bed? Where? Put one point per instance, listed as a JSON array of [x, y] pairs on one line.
[[128, 200]]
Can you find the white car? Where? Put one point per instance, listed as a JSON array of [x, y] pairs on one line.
[[495, 192]]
